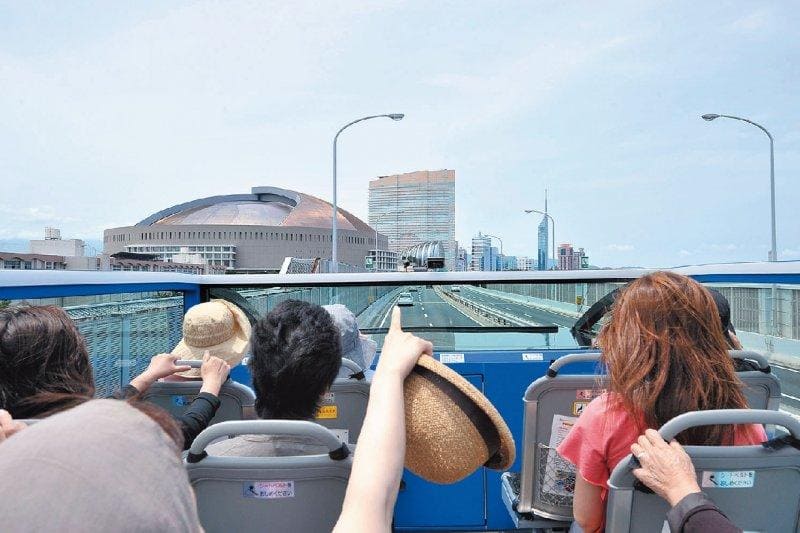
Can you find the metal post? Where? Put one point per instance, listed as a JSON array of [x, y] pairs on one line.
[[773, 255], [334, 225]]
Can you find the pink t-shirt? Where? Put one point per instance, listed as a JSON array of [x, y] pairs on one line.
[[603, 435]]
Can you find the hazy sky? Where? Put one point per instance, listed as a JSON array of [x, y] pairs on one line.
[[112, 111]]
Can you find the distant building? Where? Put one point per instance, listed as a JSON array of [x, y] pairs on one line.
[[509, 262], [247, 232], [415, 208], [571, 259], [484, 255], [525, 263], [462, 259], [17, 261], [382, 261], [544, 238]]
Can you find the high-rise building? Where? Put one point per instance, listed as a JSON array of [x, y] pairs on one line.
[[571, 259], [526, 263], [484, 255], [544, 241], [462, 259], [414, 208]]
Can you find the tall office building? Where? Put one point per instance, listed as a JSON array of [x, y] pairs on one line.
[[544, 241], [484, 255], [414, 208]]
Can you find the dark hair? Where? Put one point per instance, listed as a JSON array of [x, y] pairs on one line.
[[41, 351], [295, 356]]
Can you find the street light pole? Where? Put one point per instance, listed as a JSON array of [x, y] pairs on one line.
[[553, 224], [502, 267], [774, 248], [334, 225]]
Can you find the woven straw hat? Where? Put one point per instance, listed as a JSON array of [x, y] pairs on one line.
[[451, 428], [217, 327]]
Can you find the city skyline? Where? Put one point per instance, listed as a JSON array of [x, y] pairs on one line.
[[600, 105]]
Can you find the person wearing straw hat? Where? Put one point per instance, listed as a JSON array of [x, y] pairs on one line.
[[422, 414], [215, 332]]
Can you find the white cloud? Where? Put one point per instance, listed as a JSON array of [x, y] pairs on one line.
[[753, 22], [620, 247], [789, 253], [684, 253]]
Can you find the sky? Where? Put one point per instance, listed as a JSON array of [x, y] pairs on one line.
[[109, 115]]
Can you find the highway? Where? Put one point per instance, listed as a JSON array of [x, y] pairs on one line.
[[430, 310]]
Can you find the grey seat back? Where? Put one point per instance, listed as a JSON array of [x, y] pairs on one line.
[[299, 494], [757, 488], [344, 407], [761, 387], [237, 401], [547, 481]]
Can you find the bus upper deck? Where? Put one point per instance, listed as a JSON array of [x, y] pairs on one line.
[[500, 330]]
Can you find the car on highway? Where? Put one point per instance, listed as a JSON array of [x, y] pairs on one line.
[[455, 288], [405, 299]]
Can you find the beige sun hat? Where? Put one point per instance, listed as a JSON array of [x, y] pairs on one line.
[[451, 427], [217, 327]]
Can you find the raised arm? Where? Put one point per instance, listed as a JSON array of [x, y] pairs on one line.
[[380, 454]]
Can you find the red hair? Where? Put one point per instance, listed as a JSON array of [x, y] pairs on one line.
[[666, 355]]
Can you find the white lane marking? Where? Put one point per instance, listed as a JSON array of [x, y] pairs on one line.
[[426, 315], [786, 368], [423, 307], [431, 325], [795, 398], [388, 312]]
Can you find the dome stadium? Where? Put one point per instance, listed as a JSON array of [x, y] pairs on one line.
[[247, 232]]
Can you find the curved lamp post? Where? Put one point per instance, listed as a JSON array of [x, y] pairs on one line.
[[335, 228], [774, 248], [553, 224], [502, 267]]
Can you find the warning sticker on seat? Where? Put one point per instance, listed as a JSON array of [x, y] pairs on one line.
[[342, 434], [269, 490], [588, 394], [328, 412], [579, 406], [329, 397], [451, 357], [729, 479]]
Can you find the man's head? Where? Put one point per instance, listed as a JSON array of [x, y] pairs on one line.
[[295, 356]]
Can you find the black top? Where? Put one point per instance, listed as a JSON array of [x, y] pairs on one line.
[[696, 513], [194, 419]]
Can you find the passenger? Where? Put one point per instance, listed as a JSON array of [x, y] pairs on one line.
[[9, 426], [215, 332], [41, 351], [294, 358], [101, 466], [666, 355], [375, 478], [724, 310], [355, 346], [669, 472]]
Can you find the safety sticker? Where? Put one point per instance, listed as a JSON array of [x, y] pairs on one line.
[[588, 394], [451, 357], [342, 434], [269, 490], [533, 357], [181, 400], [328, 412], [579, 406], [329, 397], [729, 479]]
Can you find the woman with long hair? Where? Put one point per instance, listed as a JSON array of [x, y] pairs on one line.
[[665, 355]]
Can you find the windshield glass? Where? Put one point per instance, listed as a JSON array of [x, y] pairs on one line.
[[485, 316]]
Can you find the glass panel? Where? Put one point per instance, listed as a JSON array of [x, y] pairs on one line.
[[122, 331], [495, 316]]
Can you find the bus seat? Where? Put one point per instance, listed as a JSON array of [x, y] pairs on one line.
[[546, 480], [344, 407], [761, 387], [237, 401], [301, 494], [565, 396], [755, 486]]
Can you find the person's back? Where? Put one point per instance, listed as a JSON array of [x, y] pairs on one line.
[[294, 359], [666, 355], [43, 358]]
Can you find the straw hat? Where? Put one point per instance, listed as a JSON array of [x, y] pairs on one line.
[[217, 327], [451, 428]]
